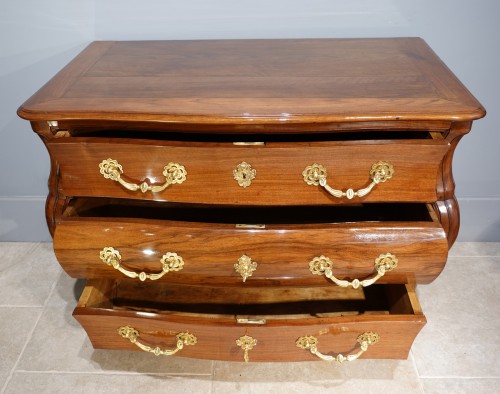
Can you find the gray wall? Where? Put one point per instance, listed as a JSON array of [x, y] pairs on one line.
[[39, 37]]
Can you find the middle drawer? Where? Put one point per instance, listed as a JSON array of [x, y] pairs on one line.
[[297, 246]]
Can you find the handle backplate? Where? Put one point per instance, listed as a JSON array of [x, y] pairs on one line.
[[322, 265], [316, 175], [309, 342], [170, 262], [173, 173], [182, 339]]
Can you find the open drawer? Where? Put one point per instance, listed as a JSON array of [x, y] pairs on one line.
[[298, 246], [272, 324], [280, 170]]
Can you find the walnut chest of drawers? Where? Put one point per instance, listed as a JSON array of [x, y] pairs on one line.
[[262, 200]]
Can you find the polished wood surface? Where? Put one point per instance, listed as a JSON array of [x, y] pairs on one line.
[[255, 81], [447, 205], [282, 251], [394, 84], [278, 181], [342, 103], [397, 324]]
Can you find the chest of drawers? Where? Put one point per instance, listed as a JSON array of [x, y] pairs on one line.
[[262, 200]]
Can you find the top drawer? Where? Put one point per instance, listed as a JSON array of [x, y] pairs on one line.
[[277, 172]]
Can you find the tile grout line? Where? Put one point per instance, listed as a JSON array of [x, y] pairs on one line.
[[32, 247], [460, 377], [461, 256], [41, 308], [419, 379], [494, 253], [118, 373], [30, 335], [53, 288], [213, 377], [21, 306]]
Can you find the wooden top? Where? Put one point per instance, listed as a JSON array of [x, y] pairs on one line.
[[255, 82]]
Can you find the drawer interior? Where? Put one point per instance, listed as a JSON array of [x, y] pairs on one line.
[[251, 303], [137, 209], [264, 138]]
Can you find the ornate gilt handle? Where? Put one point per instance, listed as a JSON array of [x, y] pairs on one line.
[[170, 262], [311, 343], [316, 175], [173, 172], [183, 339], [322, 265]]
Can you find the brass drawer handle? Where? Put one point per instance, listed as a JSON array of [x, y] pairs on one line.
[[173, 172], [316, 175], [311, 343], [183, 339], [169, 261], [246, 343], [322, 265]]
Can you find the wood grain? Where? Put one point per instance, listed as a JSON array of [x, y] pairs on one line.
[[341, 103], [279, 167], [282, 251], [248, 81], [447, 205], [276, 338]]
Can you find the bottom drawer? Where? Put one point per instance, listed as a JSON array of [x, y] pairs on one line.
[[279, 324]]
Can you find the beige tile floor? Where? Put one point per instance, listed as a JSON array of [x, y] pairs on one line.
[[44, 350]]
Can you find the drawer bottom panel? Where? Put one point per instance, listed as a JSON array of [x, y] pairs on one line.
[[251, 324]]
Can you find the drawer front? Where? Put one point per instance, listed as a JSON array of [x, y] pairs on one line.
[[225, 254], [251, 175], [269, 338]]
